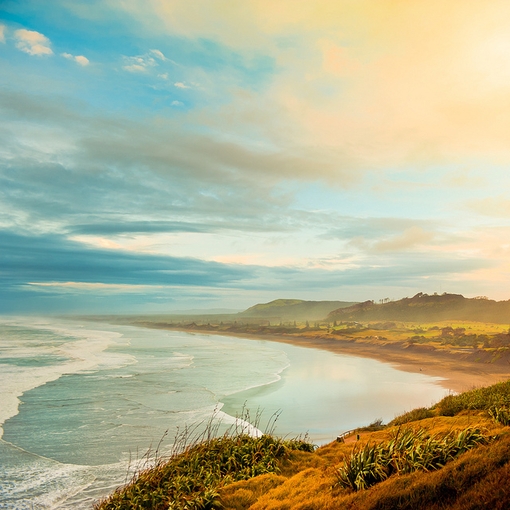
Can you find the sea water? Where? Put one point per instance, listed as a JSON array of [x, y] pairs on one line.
[[83, 404]]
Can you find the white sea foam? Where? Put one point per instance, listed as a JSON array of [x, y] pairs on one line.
[[275, 377], [238, 424], [85, 353], [33, 482]]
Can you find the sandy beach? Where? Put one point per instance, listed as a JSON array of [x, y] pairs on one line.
[[458, 369]]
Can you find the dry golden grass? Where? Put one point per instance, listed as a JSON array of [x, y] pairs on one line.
[[240, 495], [477, 479], [308, 481]]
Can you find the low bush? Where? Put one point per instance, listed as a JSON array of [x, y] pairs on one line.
[[416, 414], [408, 451], [500, 415]]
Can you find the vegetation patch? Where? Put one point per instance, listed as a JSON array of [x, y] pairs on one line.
[[420, 413], [191, 479], [500, 415], [408, 451], [476, 399]]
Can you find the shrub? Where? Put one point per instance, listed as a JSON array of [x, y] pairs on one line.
[[500, 415], [373, 427], [416, 414], [407, 452]]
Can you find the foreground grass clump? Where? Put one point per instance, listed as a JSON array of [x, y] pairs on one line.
[[408, 451], [191, 479]]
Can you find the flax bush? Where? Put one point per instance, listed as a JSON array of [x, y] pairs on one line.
[[409, 450], [500, 414]]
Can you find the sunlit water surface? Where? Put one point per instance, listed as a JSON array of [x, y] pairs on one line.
[[81, 402]]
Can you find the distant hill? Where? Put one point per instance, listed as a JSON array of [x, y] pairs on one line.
[[427, 308], [293, 309]]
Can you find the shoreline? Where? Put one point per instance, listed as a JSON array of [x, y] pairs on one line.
[[458, 374]]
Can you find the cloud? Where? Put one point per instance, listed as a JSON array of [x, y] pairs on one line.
[[79, 59], [158, 54], [113, 288], [139, 64], [43, 259], [355, 78], [181, 85], [211, 226], [59, 267], [32, 42], [2, 33], [409, 239], [374, 227], [496, 207], [181, 183], [135, 68], [83, 61]]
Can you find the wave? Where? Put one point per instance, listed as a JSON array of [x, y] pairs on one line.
[[75, 349]]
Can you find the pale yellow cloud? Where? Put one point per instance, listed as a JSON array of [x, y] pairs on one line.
[[411, 89], [464, 178], [496, 207], [83, 61], [96, 286], [135, 68], [98, 242], [32, 42], [409, 239], [2, 33], [79, 59], [378, 82]]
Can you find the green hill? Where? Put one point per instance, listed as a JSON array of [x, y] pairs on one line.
[[427, 308], [293, 309]]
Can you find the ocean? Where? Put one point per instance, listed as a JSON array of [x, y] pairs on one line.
[[82, 403]]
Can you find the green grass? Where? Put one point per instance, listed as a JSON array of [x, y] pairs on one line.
[[476, 399], [408, 451], [417, 414], [500, 415], [190, 480]]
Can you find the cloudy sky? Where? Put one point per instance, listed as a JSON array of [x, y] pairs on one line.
[[158, 155]]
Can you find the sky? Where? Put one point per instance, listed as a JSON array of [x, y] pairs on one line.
[[163, 155]]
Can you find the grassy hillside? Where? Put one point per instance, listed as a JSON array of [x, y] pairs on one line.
[[277, 311], [293, 310], [427, 308], [454, 455]]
